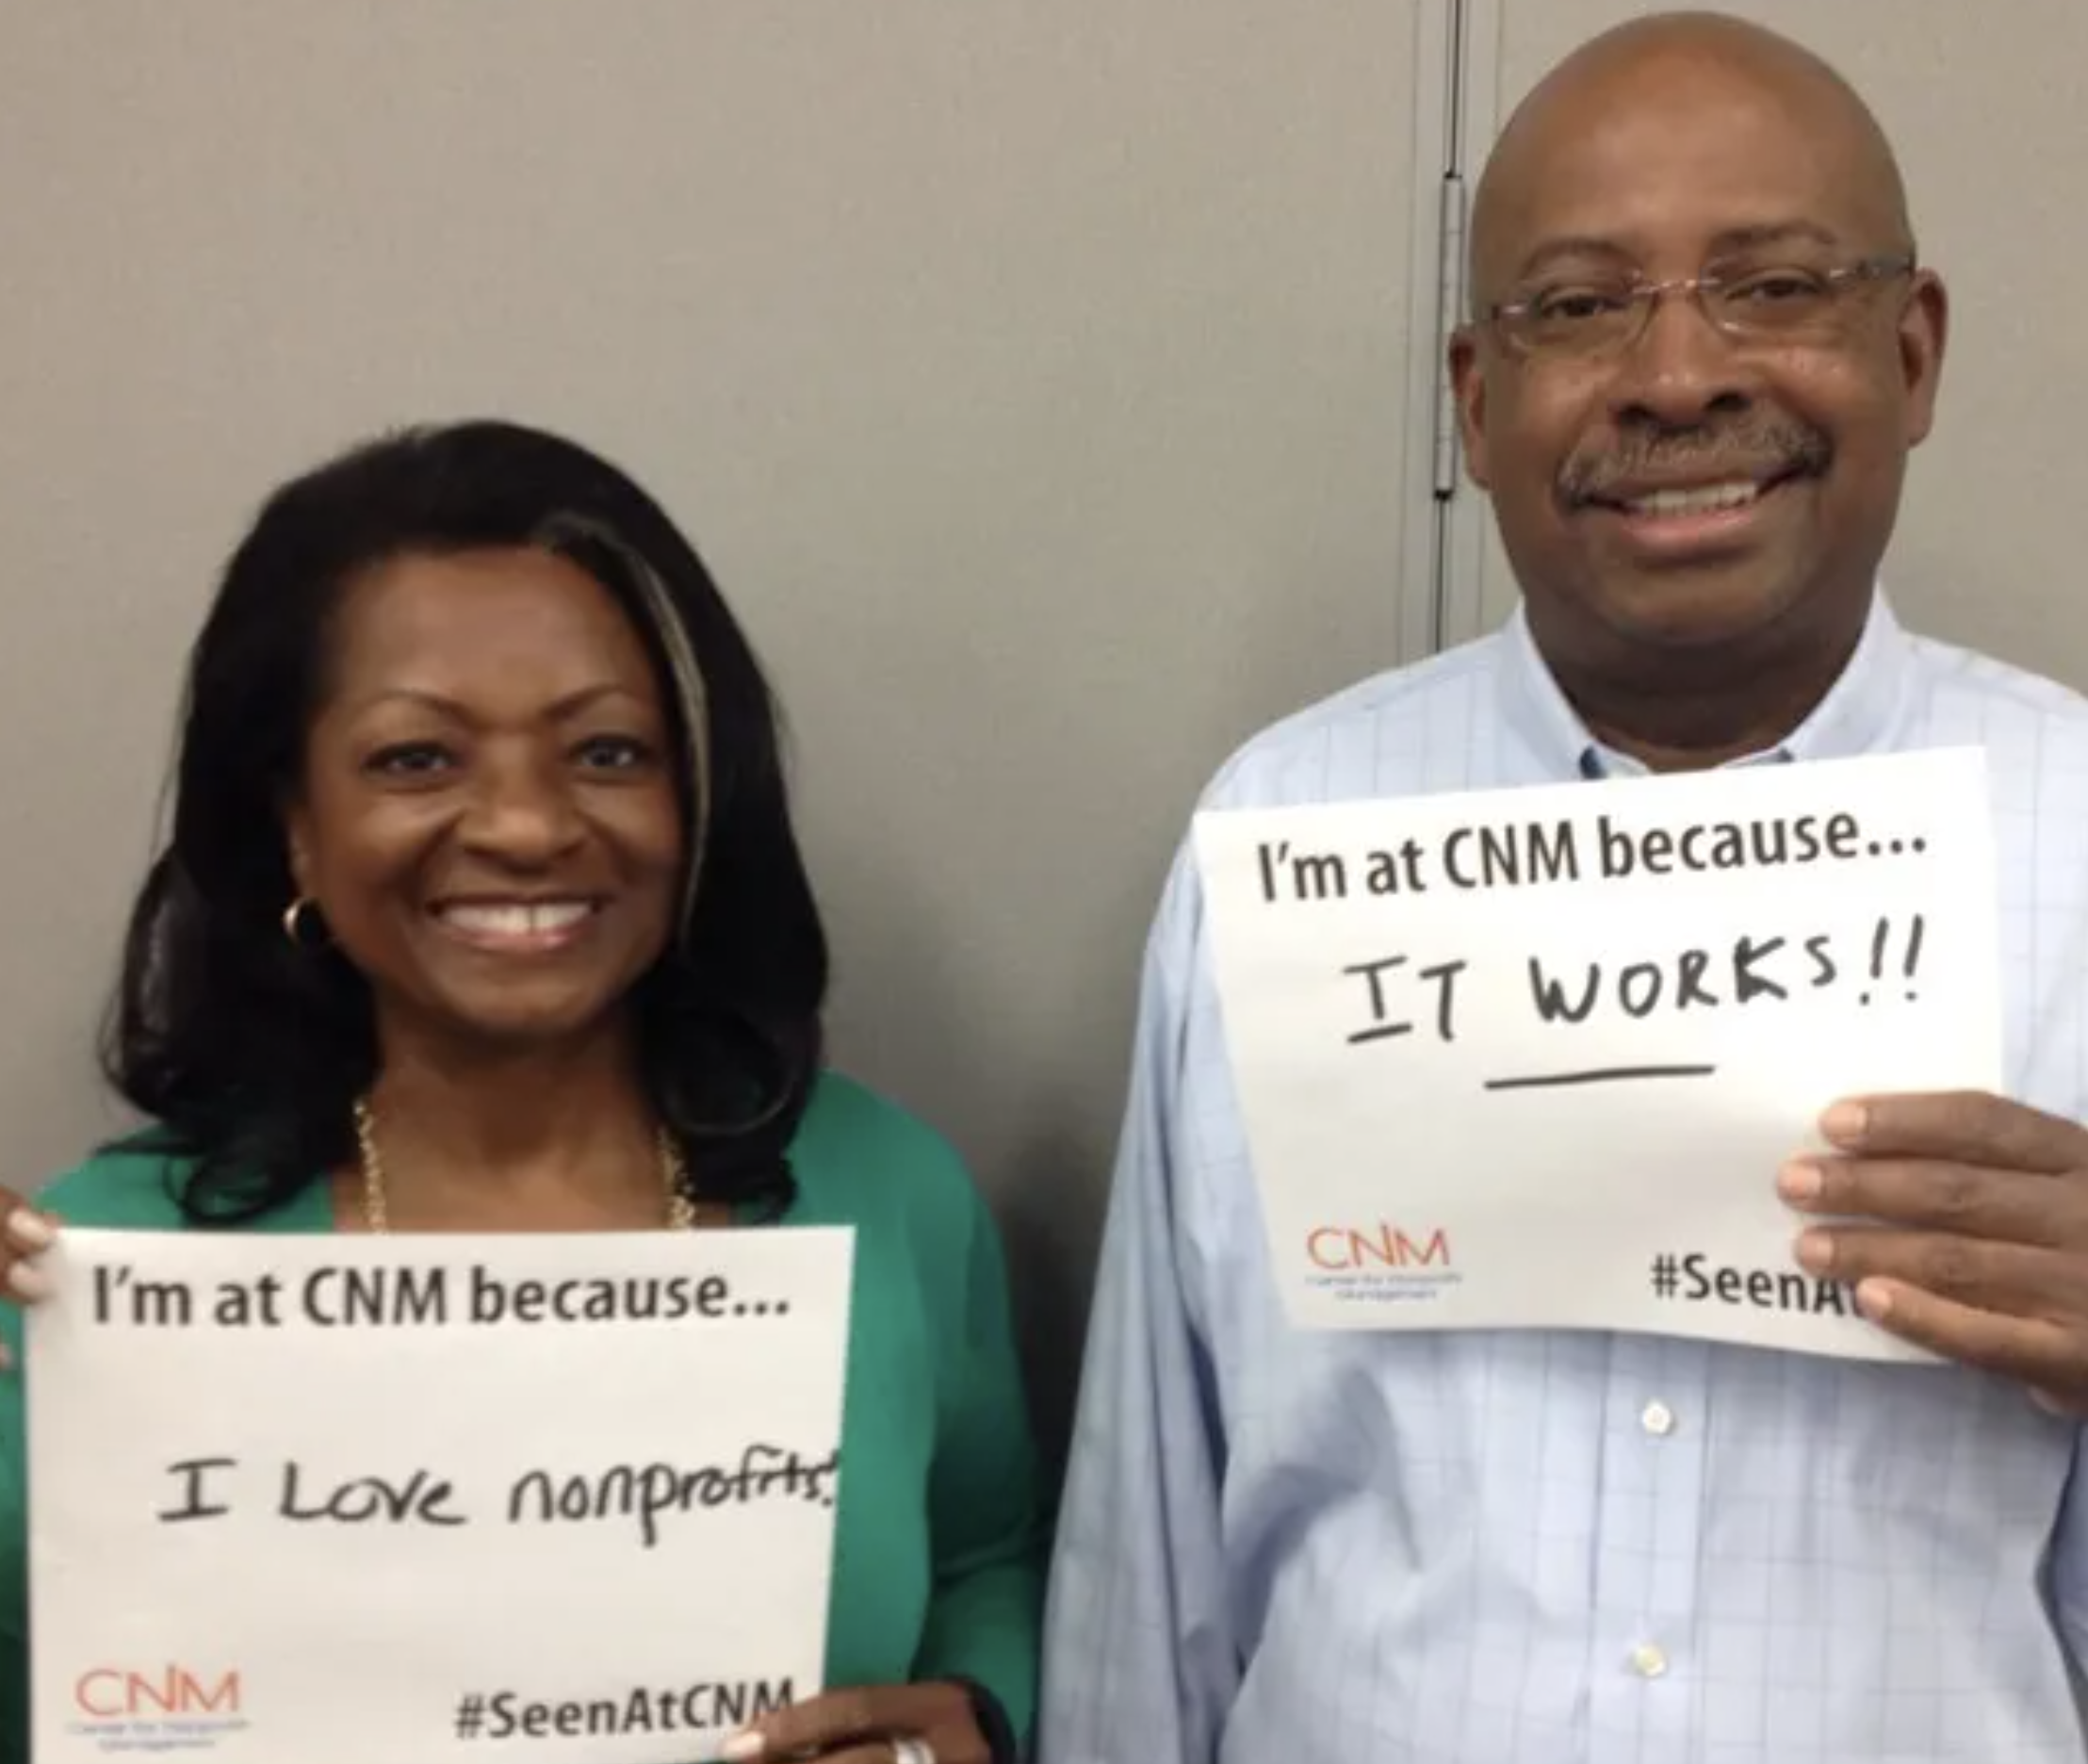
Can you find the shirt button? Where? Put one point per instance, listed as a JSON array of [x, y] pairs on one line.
[[1657, 1419], [1648, 1662]]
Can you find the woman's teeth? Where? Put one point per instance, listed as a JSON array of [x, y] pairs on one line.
[[535, 919]]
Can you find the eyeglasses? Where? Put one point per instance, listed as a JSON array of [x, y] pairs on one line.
[[1602, 316]]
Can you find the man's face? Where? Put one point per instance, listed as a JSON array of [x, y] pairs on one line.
[[1692, 489]]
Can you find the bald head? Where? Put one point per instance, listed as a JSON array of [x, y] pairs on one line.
[[1695, 489], [1679, 74]]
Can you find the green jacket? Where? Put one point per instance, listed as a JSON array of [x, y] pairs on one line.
[[939, 1537]]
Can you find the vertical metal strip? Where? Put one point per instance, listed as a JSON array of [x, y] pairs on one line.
[[1449, 285]]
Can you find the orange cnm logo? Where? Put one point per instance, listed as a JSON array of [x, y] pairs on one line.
[[110, 1693], [1352, 1248]]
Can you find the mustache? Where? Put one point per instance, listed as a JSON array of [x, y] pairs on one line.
[[1761, 448]]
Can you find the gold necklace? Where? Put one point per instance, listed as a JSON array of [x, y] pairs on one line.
[[681, 1210]]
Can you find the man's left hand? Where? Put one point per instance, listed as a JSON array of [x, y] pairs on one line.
[[1961, 1221]]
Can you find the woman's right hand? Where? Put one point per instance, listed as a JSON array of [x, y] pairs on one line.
[[25, 1234]]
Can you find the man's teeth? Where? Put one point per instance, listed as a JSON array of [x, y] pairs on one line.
[[1705, 499], [537, 918]]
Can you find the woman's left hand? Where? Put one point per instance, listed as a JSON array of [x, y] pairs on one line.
[[872, 1725]]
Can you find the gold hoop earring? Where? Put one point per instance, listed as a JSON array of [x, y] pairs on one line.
[[297, 916]]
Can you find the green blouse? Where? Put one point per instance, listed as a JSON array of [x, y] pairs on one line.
[[939, 1535]]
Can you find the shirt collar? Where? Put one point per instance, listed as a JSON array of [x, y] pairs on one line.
[[1858, 712]]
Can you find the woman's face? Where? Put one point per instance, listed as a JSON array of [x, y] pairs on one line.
[[489, 819]]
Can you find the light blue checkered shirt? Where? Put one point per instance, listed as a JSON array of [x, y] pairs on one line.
[[1283, 1547]]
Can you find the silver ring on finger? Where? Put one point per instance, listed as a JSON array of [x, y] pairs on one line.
[[911, 1749]]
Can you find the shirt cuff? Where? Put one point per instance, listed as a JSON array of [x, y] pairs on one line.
[[1002, 1746]]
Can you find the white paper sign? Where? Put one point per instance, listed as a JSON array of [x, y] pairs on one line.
[[355, 1500], [1533, 1057]]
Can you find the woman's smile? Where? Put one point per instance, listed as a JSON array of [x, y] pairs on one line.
[[518, 927]]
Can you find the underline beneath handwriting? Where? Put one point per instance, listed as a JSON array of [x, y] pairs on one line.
[[1606, 1074]]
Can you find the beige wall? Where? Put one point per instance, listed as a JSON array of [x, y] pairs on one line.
[[1981, 101], [1038, 381], [1032, 376]]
